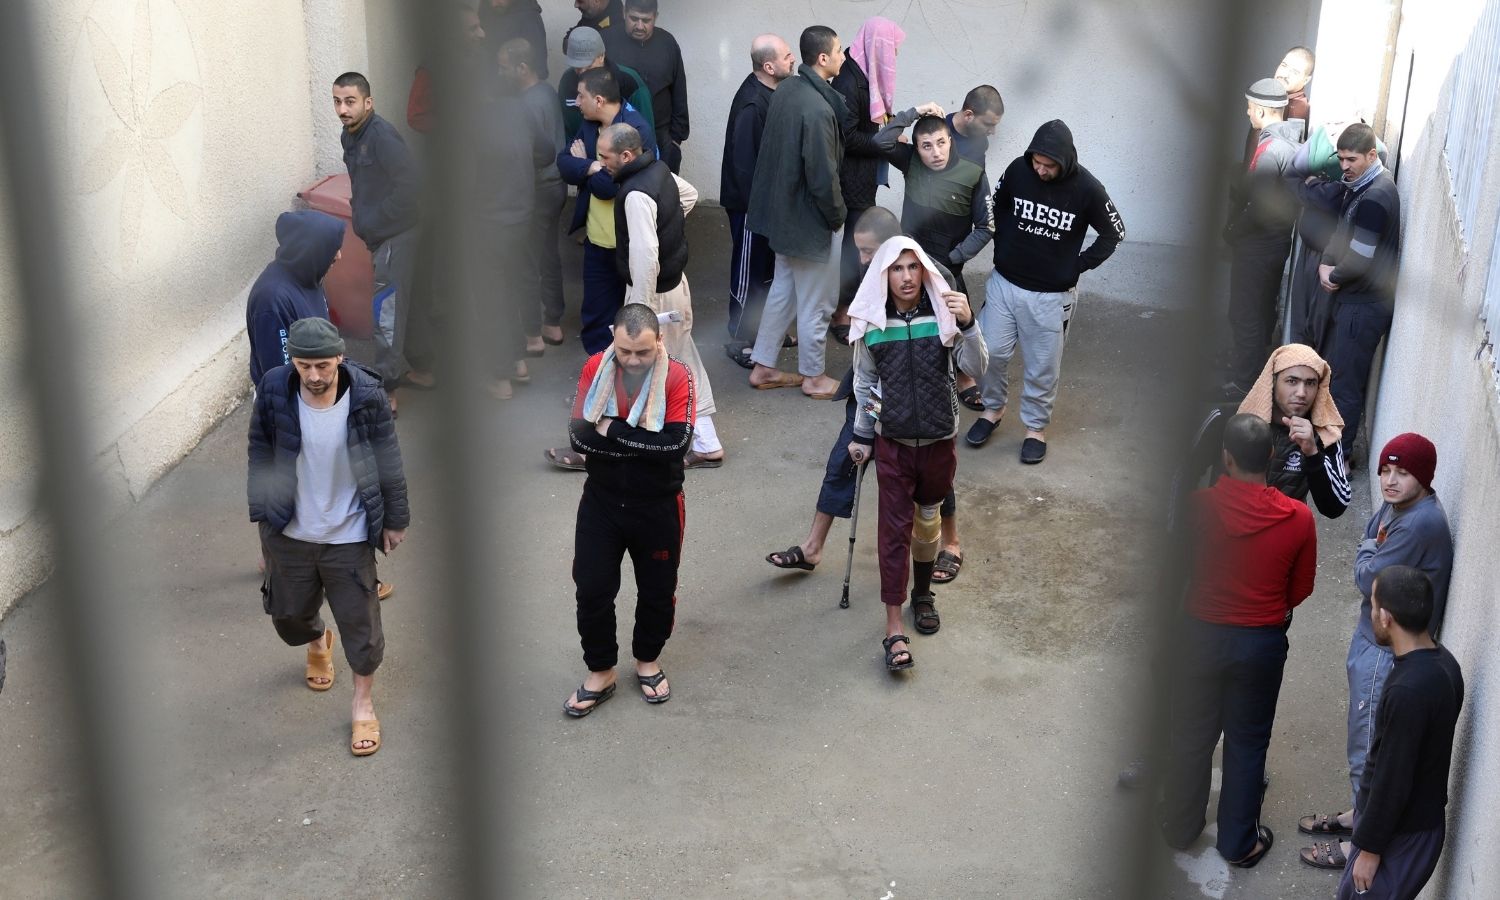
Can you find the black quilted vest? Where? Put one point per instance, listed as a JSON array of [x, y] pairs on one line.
[[651, 177], [917, 402]]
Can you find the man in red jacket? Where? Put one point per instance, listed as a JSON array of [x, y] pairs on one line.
[[1254, 561]]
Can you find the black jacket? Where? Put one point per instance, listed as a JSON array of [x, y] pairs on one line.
[[522, 19], [795, 199], [650, 176], [1262, 204], [747, 119], [861, 162], [610, 25], [384, 181], [374, 454], [659, 61], [1040, 225], [915, 373], [291, 287], [1365, 248], [1324, 476]]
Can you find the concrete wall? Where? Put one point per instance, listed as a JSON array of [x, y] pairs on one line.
[[1122, 75], [1438, 380], [183, 127]]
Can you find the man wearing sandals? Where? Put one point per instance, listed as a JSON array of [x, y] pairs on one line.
[[875, 226], [1404, 791], [633, 420], [1255, 558], [327, 489], [909, 331], [1409, 529]]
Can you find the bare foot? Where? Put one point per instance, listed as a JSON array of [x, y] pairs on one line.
[[535, 345], [819, 385], [552, 333], [993, 415], [421, 379], [500, 389]]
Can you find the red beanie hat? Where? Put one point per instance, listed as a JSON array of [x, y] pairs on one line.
[[1413, 453]]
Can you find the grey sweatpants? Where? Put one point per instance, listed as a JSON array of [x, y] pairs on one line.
[[1038, 323], [805, 291]]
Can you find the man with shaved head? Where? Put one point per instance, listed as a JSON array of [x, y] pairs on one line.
[[752, 264]]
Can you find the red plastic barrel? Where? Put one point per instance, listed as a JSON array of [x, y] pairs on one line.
[[350, 284]]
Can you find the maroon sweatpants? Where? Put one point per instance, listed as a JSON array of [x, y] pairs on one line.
[[907, 476]]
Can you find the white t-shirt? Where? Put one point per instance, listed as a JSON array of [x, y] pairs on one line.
[[328, 508]]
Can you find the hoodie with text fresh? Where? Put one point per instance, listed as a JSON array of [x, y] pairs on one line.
[[1040, 225]]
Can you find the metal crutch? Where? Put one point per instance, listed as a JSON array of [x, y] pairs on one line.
[[859, 481]]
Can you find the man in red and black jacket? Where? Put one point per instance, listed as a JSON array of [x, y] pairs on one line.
[[1254, 561], [633, 420]]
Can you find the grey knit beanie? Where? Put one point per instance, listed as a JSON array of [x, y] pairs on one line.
[[1267, 92], [313, 338]]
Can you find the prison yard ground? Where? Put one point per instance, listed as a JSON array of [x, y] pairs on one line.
[[789, 761]]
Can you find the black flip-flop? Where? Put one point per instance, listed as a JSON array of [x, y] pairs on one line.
[[972, 397], [584, 696], [947, 565], [1266, 840], [890, 655], [652, 682], [980, 431], [550, 342], [794, 559]]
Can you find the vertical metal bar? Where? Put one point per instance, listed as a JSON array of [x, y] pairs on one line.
[[115, 847]]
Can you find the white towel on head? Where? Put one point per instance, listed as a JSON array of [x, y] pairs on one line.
[[867, 311]]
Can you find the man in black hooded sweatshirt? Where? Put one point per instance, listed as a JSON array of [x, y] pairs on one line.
[[1045, 203], [291, 287]]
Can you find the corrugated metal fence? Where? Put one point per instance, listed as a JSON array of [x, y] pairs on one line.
[[1468, 145]]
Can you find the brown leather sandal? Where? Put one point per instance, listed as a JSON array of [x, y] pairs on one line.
[[320, 664]]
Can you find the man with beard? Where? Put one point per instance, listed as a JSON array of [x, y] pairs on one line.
[[1359, 268], [1045, 203], [385, 192], [909, 335], [654, 53], [633, 420], [327, 489]]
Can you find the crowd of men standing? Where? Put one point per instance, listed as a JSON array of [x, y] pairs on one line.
[[806, 148]]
